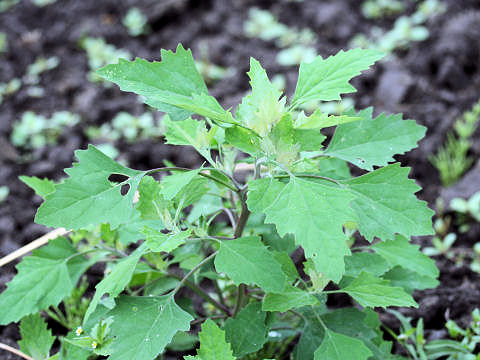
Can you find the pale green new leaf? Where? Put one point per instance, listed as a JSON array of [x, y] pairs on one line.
[[247, 332], [42, 187], [246, 260], [261, 109], [320, 120], [114, 283], [173, 184], [189, 132], [313, 212], [36, 338], [87, 197], [151, 204], [291, 298], [213, 345], [385, 204], [371, 291], [400, 252], [144, 326], [373, 142], [158, 241], [341, 347], [173, 85], [44, 278], [326, 79]]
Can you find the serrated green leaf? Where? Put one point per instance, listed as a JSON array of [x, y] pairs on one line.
[[213, 345], [313, 212], [171, 185], [36, 339], [247, 332], [173, 85], [246, 260], [189, 132], [371, 291], [373, 142], [364, 261], [261, 109], [114, 283], [151, 204], [156, 320], [409, 280], [400, 252], [288, 267], [361, 325], [45, 278], [130, 232], [42, 187], [290, 298], [385, 204], [334, 168], [243, 139], [341, 347], [326, 79], [320, 120], [158, 241], [192, 192], [87, 197]]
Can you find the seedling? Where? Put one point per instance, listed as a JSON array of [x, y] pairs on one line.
[[100, 54], [375, 9], [3, 42], [232, 246], [297, 44], [406, 29], [10, 88], [452, 160], [40, 66], [135, 21], [34, 131], [4, 191], [128, 127], [462, 344]]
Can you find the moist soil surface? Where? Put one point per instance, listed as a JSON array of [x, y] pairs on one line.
[[433, 82]]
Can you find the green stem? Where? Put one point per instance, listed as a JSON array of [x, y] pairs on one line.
[[199, 291], [208, 176], [242, 221], [312, 176], [191, 272]]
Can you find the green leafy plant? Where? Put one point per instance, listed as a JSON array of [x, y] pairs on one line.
[[229, 241], [99, 54], [406, 29], [10, 88], [297, 45], [452, 160], [6, 5], [135, 21], [34, 131], [129, 127], [461, 346], [4, 191], [374, 9]]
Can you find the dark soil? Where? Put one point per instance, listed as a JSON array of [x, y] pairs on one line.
[[433, 82]]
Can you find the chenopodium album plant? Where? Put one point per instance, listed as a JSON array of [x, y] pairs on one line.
[[229, 238]]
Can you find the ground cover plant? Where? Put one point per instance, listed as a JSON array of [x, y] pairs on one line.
[[229, 238]]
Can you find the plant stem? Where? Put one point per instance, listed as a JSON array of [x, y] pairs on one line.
[[312, 176], [14, 351], [208, 176], [199, 320], [242, 221], [198, 290], [191, 272]]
